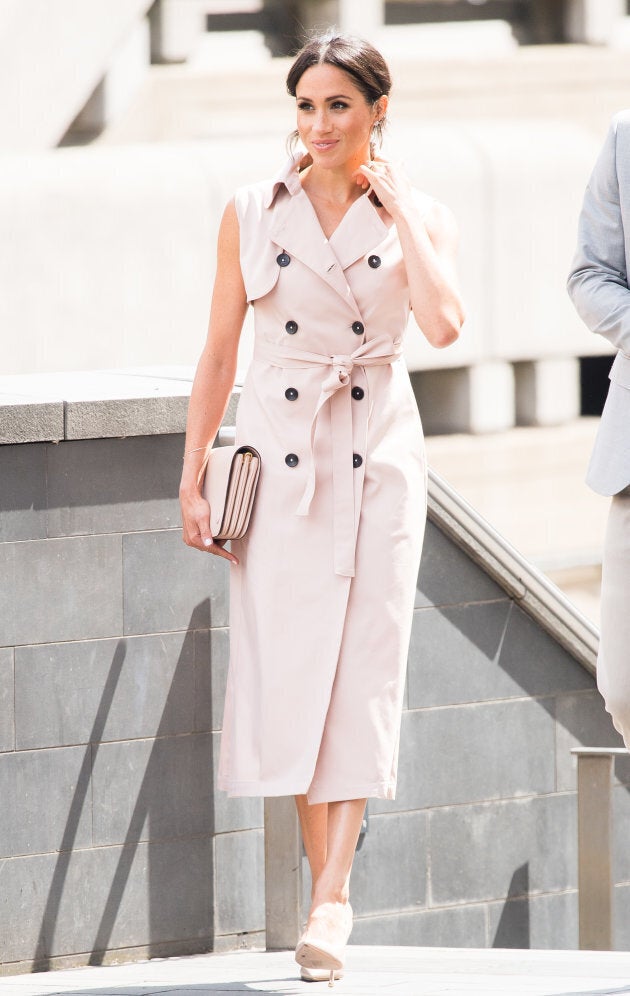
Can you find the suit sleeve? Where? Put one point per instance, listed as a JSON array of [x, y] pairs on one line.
[[598, 282]]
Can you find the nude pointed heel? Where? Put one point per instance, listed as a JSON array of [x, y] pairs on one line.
[[316, 954]]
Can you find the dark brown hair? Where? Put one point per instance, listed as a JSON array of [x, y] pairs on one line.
[[356, 57]]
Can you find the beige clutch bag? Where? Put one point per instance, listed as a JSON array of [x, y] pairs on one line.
[[229, 487]]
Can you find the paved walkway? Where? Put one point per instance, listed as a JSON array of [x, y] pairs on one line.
[[399, 971]]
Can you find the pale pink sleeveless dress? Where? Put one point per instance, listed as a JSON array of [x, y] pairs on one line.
[[321, 604]]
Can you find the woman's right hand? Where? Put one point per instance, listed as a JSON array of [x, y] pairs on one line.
[[196, 525]]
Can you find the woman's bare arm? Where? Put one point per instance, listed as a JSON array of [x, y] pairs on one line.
[[213, 382], [429, 244]]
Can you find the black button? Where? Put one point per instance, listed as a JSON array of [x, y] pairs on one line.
[[283, 259], [358, 328], [291, 459], [290, 394], [357, 393], [373, 261], [291, 327], [356, 460]]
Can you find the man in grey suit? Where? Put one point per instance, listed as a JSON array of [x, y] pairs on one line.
[[598, 285]]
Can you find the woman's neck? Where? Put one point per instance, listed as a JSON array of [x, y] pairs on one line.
[[337, 186]]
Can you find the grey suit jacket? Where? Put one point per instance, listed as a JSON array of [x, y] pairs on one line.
[[598, 285]]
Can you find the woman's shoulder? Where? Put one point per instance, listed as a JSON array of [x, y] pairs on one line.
[[435, 213], [252, 194], [423, 201]]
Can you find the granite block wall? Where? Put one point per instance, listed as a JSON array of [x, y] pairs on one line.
[[114, 843], [113, 658], [493, 707]]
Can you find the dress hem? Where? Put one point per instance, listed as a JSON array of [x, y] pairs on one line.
[[378, 790]]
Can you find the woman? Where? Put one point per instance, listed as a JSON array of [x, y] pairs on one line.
[[331, 254]]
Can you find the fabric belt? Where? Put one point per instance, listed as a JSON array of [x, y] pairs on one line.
[[336, 389]]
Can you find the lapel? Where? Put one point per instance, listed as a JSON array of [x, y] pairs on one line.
[[360, 231], [296, 229]]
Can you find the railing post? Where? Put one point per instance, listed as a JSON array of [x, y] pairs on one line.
[[592, 21], [283, 874], [370, 14], [595, 883]]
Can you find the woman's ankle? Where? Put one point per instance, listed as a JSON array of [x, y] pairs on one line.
[[320, 896]]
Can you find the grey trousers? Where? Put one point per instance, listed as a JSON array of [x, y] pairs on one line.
[[613, 663]]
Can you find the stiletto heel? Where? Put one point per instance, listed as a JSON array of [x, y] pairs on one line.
[[318, 953]]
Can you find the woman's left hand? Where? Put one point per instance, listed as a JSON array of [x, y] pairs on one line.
[[390, 183]]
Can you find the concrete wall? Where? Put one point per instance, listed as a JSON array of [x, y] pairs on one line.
[[113, 656]]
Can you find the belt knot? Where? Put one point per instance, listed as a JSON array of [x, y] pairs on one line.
[[336, 370], [340, 373]]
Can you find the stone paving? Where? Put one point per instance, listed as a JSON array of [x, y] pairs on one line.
[[403, 971]]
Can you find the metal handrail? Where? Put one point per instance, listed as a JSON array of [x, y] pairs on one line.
[[534, 592]]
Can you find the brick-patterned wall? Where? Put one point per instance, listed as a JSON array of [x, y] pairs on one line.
[[113, 657]]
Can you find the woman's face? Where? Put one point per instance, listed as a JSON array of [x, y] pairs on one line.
[[334, 119]]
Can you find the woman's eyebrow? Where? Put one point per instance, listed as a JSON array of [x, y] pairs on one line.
[[338, 96]]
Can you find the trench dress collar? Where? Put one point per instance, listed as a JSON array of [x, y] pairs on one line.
[[295, 228]]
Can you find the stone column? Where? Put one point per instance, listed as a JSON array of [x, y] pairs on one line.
[[175, 27], [547, 391], [592, 21], [478, 398], [361, 17]]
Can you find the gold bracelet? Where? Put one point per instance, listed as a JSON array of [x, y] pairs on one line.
[[196, 449]]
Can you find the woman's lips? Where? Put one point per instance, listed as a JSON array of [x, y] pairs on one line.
[[323, 146]]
